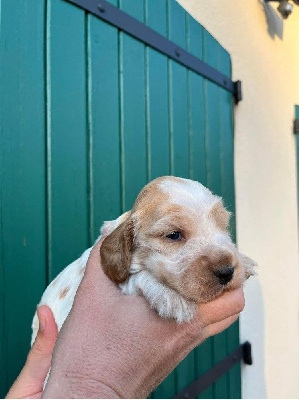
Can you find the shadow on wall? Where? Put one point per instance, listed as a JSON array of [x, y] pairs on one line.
[[274, 21], [253, 329]]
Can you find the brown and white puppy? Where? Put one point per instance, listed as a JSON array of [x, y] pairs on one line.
[[173, 248]]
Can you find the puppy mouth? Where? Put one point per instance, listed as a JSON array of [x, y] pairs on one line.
[[214, 291]]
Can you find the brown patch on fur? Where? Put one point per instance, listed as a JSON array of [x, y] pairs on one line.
[[53, 283], [148, 199], [81, 271], [116, 252], [63, 293], [220, 215]]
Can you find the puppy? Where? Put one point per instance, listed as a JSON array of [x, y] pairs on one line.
[[173, 248]]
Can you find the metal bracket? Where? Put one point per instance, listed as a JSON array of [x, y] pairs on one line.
[[204, 381], [238, 91], [140, 31], [296, 126]]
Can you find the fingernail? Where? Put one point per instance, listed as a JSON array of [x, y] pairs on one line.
[[42, 323]]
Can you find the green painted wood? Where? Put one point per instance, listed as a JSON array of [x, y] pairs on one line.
[[228, 190], [179, 124], [157, 107], [214, 180], [178, 96], [113, 115], [3, 347], [22, 127], [133, 119], [67, 121], [197, 156], [203, 354], [212, 119], [103, 118]]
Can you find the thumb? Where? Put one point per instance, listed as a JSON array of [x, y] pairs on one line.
[[31, 379]]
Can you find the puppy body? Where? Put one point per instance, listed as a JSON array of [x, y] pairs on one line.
[[173, 248]]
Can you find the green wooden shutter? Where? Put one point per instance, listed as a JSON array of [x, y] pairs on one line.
[[88, 116]]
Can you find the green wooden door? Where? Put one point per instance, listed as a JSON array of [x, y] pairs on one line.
[[88, 115]]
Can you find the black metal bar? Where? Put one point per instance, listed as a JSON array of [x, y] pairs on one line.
[[204, 381], [296, 126], [238, 91], [140, 31]]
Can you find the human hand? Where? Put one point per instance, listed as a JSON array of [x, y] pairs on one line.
[[113, 345], [29, 383]]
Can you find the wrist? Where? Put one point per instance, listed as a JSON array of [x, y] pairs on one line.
[[78, 387]]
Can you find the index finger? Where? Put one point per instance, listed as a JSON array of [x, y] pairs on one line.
[[228, 304]]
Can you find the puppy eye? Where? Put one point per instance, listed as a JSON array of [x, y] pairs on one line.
[[174, 235]]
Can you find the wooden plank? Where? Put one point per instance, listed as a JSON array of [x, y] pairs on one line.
[[103, 111], [179, 121], [133, 120], [22, 178], [158, 153], [158, 126], [203, 354], [178, 96], [67, 169], [134, 9], [197, 157], [228, 193], [212, 120], [3, 347], [214, 180]]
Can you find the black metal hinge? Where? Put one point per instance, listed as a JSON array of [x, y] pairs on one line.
[[204, 381], [296, 126], [238, 91], [140, 31]]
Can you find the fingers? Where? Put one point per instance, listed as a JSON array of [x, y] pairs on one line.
[[225, 306], [42, 349], [31, 379], [94, 260], [220, 326], [95, 281]]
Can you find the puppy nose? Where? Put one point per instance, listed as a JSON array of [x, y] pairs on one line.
[[224, 274]]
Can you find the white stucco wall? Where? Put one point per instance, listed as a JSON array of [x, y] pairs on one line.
[[265, 57]]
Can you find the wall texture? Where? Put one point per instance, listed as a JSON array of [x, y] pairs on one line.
[[265, 57]]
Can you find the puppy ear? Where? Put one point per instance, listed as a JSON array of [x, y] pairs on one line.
[[109, 226], [116, 252], [248, 264]]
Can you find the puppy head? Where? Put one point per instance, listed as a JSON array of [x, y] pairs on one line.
[[178, 231]]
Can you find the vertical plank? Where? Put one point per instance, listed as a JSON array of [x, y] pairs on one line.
[[3, 344], [3, 347], [158, 126], [22, 127], [67, 178], [203, 354], [133, 120], [212, 119], [214, 180], [228, 193], [157, 96], [197, 138], [178, 95], [103, 106], [179, 121]]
